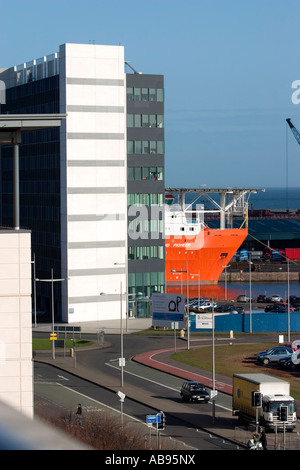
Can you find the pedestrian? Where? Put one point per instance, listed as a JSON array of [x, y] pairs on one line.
[[254, 443], [79, 413], [263, 440]]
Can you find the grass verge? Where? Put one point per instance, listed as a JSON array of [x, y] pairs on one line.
[[238, 358], [44, 344]]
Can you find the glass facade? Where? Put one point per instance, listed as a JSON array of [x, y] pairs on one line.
[[145, 166], [39, 182]]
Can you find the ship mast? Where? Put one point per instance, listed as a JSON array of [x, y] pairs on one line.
[[232, 201]]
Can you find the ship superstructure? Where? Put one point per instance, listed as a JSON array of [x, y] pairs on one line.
[[194, 251]]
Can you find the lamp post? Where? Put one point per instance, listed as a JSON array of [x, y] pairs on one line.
[[187, 301], [213, 361], [289, 310], [173, 271], [34, 289], [227, 266], [250, 292], [52, 280], [121, 359], [190, 274]]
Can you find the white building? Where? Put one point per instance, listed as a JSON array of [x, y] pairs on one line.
[[93, 161], [76, 182]]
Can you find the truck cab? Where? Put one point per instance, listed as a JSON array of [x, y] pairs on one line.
[[271, 414]]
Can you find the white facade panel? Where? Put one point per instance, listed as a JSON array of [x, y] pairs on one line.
[[93, 93], [16, 376], [88, 95], [89, 177], [86, 258], [96, 122], [100, 149]]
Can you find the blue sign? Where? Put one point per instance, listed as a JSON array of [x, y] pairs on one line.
[[153, 419]]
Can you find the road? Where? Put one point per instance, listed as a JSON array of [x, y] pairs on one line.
[[57, 388]]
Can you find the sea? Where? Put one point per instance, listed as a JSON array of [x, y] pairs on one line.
[[270, 198], [273, 199], [276, 198]]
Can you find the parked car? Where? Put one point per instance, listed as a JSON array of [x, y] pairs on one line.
[[194, 392], [229, 308], [279, 308], [207, 305], [290, 362], [294, 301], [243, 298], [274, 354], [276, 298], [263, 299]]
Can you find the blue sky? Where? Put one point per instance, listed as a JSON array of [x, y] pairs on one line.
[[228, 65]]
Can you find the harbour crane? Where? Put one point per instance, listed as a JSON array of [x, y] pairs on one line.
[[294, 130]]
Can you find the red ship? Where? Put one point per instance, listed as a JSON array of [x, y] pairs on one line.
[[194, 251]]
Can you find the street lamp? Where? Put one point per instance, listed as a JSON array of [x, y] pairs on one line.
[[227, 266], [52, 280], [173, 271], [190, 274], [34, 289], [289, 310], [187, 301], [121, 359], [250, 292]]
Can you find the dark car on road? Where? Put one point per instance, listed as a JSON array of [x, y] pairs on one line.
[[194, 392], [274, 354]]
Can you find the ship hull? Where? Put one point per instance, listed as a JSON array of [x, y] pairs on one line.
[[203, 256]]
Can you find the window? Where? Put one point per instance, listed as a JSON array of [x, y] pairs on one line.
[[160, 94], [130, 120], [160, 121], [137, 120], [137, 94], [145, 94], [145, 120], [145, 147], [146, 252], [145, 173]]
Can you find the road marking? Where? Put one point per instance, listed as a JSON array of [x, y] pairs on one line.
[[159, 383], [99, 403], [141, 377]]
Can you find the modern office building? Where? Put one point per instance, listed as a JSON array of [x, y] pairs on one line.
[[78, 183]]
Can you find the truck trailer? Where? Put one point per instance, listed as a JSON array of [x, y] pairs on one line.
[[265, 400]]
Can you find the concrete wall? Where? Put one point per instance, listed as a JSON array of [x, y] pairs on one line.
[[16, 374]]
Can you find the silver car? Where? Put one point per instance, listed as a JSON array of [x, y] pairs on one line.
[[274, 354]]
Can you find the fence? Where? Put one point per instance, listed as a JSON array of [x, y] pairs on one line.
[[241, 322]]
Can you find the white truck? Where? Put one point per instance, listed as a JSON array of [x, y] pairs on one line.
[[265, 400]]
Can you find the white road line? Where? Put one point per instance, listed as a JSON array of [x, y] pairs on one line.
[[158, 383], [99, 403], [141, 377]]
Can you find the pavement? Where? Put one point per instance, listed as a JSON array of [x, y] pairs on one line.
[[221, 423]]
